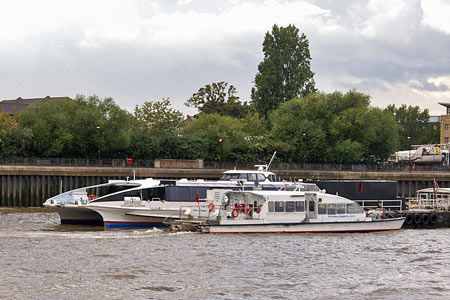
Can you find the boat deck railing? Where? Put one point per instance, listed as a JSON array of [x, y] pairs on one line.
[[427, 204]]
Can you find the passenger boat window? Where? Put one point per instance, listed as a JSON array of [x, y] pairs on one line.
[[322, 209], [279, 206], [243, 176], [340, 209], [272, 177], [252, 177], [261, 177], [152, 193], [225, 177], [122, 195], [312, 207], [331, 209], [299, 206], [423, 196], [290, 206], [271, 206], [351, 208]]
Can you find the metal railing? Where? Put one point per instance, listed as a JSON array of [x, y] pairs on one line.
[[33, 161]]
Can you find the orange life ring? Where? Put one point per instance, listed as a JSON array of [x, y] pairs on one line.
[[211, 207], [235, 213], [91, 196]]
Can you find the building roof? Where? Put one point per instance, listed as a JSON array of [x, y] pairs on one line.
[[444, 104], [16, 105]]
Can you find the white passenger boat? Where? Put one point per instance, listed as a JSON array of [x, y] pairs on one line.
[[72, 205], [147, 202], [290, 212]]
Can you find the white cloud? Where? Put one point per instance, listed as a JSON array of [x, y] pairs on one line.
[[437, 14], [140, 50]]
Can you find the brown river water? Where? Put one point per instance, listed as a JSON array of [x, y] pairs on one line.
[[41, 259]]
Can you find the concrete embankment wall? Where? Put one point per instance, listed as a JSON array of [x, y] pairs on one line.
[[32, 185]]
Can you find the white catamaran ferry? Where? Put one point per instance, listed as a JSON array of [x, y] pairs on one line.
[[289, 212], [147, 202]]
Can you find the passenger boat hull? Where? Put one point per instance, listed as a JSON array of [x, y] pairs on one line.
[[120, 217], [354, 226], [77, 215]]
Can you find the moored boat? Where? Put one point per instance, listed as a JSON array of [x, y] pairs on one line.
[[147, 202], [291, 212], [429, 209]]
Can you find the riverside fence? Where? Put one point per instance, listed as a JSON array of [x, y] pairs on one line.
[[30, 181]]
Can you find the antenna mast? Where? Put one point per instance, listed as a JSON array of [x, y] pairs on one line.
[[270, 162]]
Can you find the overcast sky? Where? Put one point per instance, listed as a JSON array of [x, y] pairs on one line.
[[135, 51]]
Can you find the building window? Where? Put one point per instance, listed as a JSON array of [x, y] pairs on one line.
[[446, 140], [446, 127]]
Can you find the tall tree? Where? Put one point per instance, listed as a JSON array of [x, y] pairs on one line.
[[414, 126], [285, 72], [157, 115], [219, 98]]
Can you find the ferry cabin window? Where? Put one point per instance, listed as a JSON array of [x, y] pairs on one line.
[[272, 177], [299, 206], [261, 177], [354, 208], [423, 196], [279, 206], [290, 206], [322, 209], [351, 209], [154, 193], [331, 208], [340, 209], [120, 196], [120, 187], [251, 177], [271, 206]]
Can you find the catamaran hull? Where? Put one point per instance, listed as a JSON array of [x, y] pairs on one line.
[[77, 215], [357, 226], [116, 218]]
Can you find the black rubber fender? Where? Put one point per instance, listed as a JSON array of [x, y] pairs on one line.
[[433, 219], [425, 219], [417, 218], [409, 219]]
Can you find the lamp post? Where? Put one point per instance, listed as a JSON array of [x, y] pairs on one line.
[[98, 142], [221, 150], [304, 148], [409, 151]]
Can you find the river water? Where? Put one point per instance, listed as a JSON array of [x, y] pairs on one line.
[[41, 259]]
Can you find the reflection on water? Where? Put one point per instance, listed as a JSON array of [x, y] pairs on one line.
[[41, 259]]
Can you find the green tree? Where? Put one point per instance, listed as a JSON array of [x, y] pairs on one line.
[[414, 123], [157, 115], [14, 140], [212, 127], [218, 98], [300, 138], [77, 128], [285, 72], [333, 127]]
